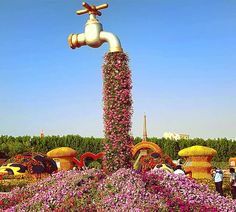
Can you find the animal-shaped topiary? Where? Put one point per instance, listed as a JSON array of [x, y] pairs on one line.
[[30, 162]]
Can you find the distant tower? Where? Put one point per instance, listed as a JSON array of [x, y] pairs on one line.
[[144, 129], [41, 134]]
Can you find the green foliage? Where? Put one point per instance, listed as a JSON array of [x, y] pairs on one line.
[[95, 164], [221, 165], [8, 185], [11, 146], [16, 145], [225, 148]]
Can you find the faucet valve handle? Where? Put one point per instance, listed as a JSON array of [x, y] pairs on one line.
[[91, 9]]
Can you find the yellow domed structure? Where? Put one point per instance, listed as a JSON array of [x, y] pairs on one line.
[[198, 161], [63, 157]]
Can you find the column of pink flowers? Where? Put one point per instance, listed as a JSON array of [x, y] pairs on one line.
[[117, 108]]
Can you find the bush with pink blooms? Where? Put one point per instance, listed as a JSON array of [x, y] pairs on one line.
[[117, 109], [55, 192], [184, 194], [124, 190]]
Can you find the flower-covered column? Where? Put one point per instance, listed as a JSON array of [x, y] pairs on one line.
[[117, 100]]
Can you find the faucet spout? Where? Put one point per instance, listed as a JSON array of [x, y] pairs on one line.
[[112, 40]]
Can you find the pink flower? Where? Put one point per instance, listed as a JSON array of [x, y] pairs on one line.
[[117, 109]]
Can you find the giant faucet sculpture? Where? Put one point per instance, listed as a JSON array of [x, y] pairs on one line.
[[117, 85], [93, 35]]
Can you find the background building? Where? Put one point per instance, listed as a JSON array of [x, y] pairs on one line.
[[175, 136]]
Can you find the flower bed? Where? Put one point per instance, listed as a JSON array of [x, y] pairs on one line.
[[124, 190]]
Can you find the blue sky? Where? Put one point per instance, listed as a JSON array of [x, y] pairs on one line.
[[182, 56]]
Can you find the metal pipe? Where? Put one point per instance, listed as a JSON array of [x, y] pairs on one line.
[[112, 40]]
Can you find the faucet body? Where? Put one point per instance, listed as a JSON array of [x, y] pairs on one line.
[[94, 36]]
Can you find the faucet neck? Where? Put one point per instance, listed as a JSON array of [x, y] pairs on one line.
[[92, 19], [92, 16]]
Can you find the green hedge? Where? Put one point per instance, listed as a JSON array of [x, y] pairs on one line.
[[14, 145], [225, 148]]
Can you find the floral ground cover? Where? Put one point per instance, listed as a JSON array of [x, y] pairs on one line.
[[124, 190]]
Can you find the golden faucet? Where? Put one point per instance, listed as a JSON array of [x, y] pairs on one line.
[[93, 35]]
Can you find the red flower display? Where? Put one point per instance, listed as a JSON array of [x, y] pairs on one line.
[[117, 108], [80, 162]]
